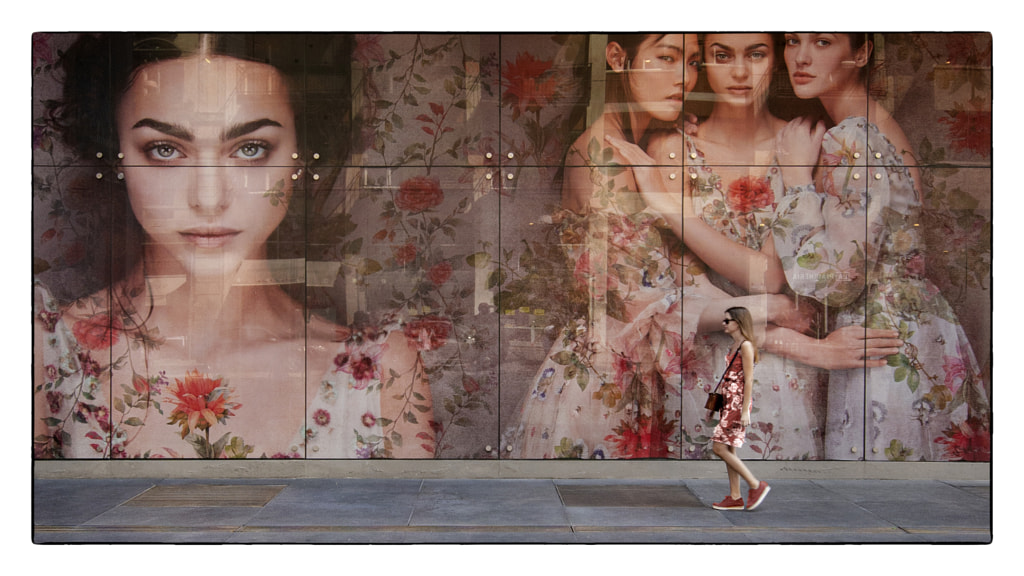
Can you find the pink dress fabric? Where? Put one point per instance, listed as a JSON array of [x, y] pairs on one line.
[[730, 430]]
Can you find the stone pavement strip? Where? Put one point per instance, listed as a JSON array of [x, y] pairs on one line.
[[382, 511]]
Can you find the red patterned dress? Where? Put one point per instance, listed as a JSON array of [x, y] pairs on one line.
[[730, 430]]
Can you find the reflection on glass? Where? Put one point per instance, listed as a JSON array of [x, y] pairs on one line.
[[332, 246]]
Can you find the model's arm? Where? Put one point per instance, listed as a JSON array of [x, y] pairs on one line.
[[663, 190], [827, 231], [847, 347], [747, 355]]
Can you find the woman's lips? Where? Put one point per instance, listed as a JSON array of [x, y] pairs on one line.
[[209, 237], [802, 78]]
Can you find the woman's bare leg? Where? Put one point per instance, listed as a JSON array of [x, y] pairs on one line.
[[736, 467]]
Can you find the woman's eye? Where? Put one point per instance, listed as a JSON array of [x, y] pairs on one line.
[[792, 41], [251, 151], [824, 43], [164, 152]]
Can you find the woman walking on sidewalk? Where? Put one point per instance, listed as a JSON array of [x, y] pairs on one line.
[[731, 430]]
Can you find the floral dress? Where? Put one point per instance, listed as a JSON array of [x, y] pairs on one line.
[[787, 421], [855, 246], [609, 387], [730, 429], [81, 418]]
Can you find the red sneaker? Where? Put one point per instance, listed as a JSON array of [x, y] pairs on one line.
[[755, 497], [729, 503]]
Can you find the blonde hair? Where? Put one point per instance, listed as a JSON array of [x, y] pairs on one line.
[[746, 323]]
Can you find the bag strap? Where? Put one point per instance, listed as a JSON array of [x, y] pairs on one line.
[[731, 360]]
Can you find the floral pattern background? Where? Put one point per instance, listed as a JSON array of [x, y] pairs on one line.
[[440, 220]]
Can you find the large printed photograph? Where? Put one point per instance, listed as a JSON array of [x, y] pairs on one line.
[[510, 246]]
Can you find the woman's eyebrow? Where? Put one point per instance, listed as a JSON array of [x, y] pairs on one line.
[[173, 130], [668, 46], [760, 46], [182, 133], [246, 128]]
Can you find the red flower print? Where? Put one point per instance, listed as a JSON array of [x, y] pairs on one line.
[[528, 87], [915, 265], [200, 402], [750, 193], [968, 441], [582, 272], [969, 130], [140, 384], [362, 366], [369, 420], [49, 320], [54, 400], [322, 417], [89, 366], [428, 332], [440, 273], [41, 51], [956, 372], [962, 51], [643, 438], [419, 194], [97, 332], [405, 254], [368, 49], [470, 385]]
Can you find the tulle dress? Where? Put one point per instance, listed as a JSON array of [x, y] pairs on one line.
[[788, 418], [854, 245], [609, 387], [84, 415]]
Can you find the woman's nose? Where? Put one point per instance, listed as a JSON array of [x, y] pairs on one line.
[[803, 54], [209, 192], [740, 69]]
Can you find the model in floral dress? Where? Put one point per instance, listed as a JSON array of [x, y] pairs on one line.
[[848, 236], [609, 387], [788, 421], [854, 245]]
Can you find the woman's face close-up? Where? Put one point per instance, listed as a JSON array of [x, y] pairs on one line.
[[820, 63], [739, 67], [656, 76], [208, 146]]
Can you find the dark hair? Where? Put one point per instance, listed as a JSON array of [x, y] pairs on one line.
[[98, 69], [618, 91]]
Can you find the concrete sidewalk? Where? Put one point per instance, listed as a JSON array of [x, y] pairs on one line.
[[504, 511]]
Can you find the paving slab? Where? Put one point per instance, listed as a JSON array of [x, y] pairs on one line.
[[488, 503]]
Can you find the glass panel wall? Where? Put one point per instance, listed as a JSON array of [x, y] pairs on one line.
[[514, 246]]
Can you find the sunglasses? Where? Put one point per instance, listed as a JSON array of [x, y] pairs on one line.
[[727, 320]]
